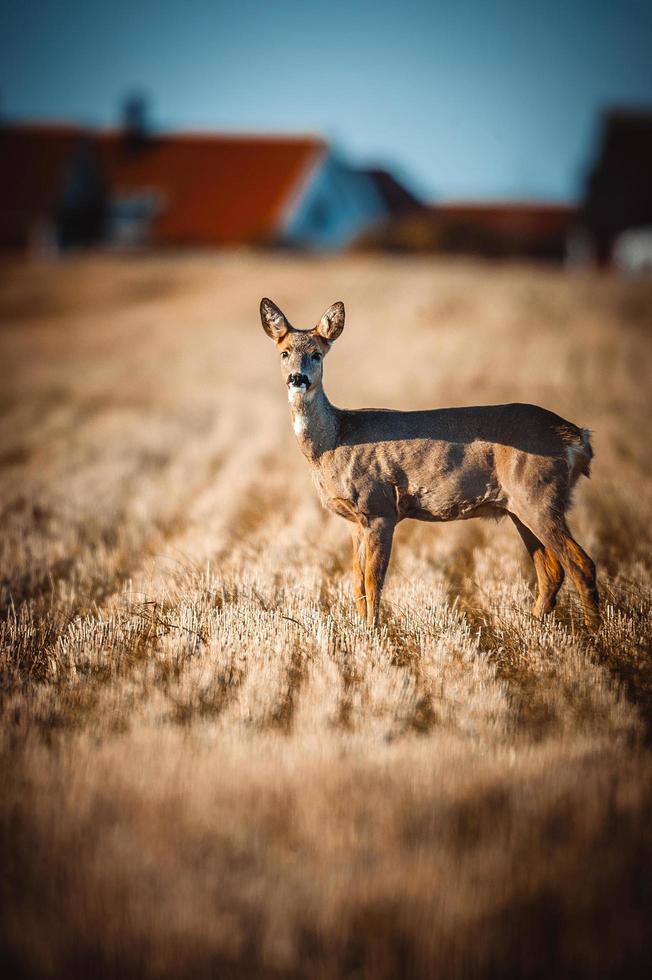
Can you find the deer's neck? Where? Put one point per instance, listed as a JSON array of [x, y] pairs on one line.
[[314, 420]]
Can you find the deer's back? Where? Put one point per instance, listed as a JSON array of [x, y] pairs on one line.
[[519, 426]]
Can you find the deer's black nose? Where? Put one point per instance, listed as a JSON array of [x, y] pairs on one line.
[[298, 381]]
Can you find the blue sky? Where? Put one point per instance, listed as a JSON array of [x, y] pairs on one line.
[[464, 99]]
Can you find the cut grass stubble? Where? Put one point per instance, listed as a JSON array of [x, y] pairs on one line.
[[210, 766]]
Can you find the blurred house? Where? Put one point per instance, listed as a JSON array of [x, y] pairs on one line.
[[63, 186], [615, 221], [488, 229], [37, 176]]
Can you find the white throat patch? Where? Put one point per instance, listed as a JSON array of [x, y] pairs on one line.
[[299, 420], [295, 391]]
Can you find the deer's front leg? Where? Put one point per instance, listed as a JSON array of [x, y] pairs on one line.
[[378, 547], [358, 566]]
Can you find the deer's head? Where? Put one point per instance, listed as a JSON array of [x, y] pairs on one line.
[[301, 352]]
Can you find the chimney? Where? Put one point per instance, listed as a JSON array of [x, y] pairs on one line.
[[135, 121]]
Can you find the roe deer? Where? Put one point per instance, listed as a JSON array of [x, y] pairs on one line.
[[376, 467]]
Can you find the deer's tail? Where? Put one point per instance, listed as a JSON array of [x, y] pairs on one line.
[[579, 454]]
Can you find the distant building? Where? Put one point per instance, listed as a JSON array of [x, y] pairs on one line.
[[35, 163], [63, 186], [618, 197], [491, 229]]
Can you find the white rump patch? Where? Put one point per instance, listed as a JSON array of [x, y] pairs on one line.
[[576, 457], [572, 452]]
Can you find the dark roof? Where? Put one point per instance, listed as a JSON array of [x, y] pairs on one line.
[[394, 195]]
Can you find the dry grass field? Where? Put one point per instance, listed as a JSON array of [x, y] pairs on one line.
[[210, 767]]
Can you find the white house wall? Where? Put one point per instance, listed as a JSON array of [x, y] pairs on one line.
[[337, 204]]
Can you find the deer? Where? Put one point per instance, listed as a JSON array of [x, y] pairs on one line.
[[376, 467]]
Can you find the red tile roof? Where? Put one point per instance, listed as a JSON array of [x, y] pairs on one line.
[[492, 228], [215, 189], [519, 218]]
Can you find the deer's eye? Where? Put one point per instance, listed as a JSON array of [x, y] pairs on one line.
[[316, 356], [285, 355]]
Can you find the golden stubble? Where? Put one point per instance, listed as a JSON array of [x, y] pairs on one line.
[[210, 766]]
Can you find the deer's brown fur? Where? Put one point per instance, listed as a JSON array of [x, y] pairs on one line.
[[376, 467]]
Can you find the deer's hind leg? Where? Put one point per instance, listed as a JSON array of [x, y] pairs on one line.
[[358, 567], [582, 571], [548, 568], [556, 537]]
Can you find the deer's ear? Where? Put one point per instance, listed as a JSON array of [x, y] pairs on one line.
[[273, 320], [331, 324]]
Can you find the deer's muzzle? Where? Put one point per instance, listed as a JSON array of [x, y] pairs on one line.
[[298, 381]]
